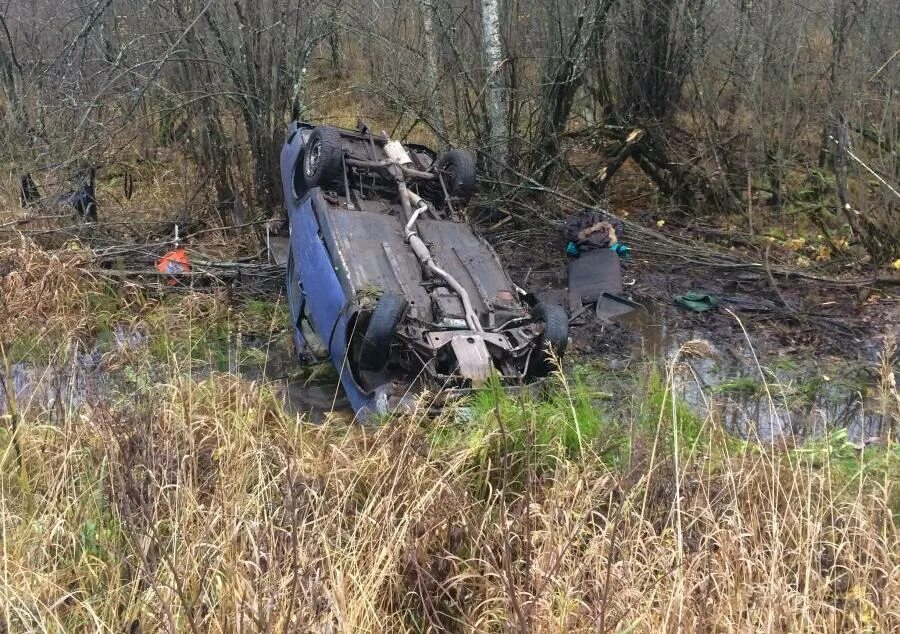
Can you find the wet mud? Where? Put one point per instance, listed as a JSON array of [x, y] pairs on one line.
[[795, 364], [751, 365]]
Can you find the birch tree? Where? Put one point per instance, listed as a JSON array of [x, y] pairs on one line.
[[495, 92]]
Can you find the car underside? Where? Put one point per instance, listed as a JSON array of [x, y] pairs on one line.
[[387, 283]]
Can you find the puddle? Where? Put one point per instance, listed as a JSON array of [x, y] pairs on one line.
[[316, 400], [650, 329], [85, 379], [765, 403], [772, 400], [303, 390], [768, 400], [54, 392]]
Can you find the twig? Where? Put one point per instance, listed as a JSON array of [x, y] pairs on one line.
[[883, 66], [774, 286], [26, 220], [867, 168]]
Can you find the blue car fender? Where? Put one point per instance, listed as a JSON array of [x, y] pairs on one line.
[[329, 309]]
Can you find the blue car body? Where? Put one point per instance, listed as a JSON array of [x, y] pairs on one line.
[[331, 309]]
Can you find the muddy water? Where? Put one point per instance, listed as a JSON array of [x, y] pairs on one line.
[[313, 391], [722, 381], [770, 405], [764, 399], [52, 391], [650, 329], [317, 401]]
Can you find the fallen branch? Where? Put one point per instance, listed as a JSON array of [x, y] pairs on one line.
[[784, 302]]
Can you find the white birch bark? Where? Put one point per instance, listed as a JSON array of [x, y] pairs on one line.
[[496, 89]]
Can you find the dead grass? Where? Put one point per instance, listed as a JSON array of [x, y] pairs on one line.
[[43, 291], [203, 507], [198, 504]]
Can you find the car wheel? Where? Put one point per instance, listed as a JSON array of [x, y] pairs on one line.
[[376, 343], [554, 340], [322, 157], [457, 168]]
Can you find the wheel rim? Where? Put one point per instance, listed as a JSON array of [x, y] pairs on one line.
[[313, 155]]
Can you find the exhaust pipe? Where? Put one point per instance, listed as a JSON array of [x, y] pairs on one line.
[[424, 255]]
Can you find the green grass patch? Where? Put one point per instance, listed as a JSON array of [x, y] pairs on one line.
[[514, 432], [847, 461], [669, 413], [740, 386]]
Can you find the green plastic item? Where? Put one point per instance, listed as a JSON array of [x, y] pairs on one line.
[[697, 302]]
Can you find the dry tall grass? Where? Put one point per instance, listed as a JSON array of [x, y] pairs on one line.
[[200, 505]]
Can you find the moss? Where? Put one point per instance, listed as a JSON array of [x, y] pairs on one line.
[[848, 463], [369, 295], [323, 372], [740, 386], [261, 316]]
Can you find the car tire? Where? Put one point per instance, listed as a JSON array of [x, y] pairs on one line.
[[375, 349], [555, 339], [457, 167], [322, 157]]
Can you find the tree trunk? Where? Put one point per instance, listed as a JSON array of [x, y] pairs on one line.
[[336, 47], [265, 159], [435, 110], [565, 79], [496, 90], [837, 137], [11, 82]]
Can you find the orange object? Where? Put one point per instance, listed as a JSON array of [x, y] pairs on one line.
[[174, 262]]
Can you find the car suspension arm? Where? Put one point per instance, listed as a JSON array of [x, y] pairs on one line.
[[387, 163]]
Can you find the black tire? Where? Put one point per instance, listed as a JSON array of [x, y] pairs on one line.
[[375, 348], [321, 162], [555, 337], [457, 168]]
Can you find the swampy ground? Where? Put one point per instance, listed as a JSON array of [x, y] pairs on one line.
[[168, 466]]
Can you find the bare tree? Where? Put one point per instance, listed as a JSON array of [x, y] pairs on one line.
[[722, 105], [247, 57], [11, 76], [563, 78], [435, 104]]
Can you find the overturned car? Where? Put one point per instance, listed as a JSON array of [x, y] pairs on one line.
[[386, 284]]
